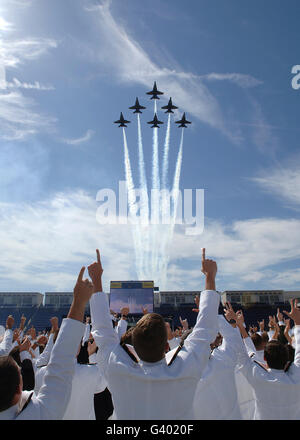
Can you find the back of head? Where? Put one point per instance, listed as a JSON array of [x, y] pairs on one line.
[[9, 381], [126, 338], [15, 354], [149, 337], [276, 354], [257, 341]]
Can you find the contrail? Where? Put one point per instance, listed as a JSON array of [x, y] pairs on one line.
[[155, 200], [144, 212], [166, 155], [132, 205], [175, 196]]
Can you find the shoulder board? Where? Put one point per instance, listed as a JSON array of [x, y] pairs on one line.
[[260, 365]]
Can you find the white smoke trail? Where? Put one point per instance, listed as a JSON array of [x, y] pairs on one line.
[[175, 195], [155, 199], [166, 155], [144, 224], [132, 206]]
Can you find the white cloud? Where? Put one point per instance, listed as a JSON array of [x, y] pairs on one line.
[[242, 80], [77, 141], [283, 181], [16, 84], [45, 243], [17, 117], [15, 52]]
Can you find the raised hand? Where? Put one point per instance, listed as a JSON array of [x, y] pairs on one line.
[[261, 325], [197, 302], [16, 334], [209, 268], [144, 310], [229, 312], [184, 323], [10, 322], [95, 272], [294, 314], [240, 320], [279, 315], [26, 344], [22, 322], [83, 291], [54, 323]]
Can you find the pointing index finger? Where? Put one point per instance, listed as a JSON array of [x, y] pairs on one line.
[[79, 279], [203, 254], [98, 256]]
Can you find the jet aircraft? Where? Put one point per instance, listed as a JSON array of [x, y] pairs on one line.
[[183, 122], [122, 121], [137, 107], [170, 107]]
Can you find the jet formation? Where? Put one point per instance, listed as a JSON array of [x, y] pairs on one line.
[[155, 122]]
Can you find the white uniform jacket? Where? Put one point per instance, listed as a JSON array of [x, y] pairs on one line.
[[153, 391]]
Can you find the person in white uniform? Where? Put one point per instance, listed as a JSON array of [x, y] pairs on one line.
[[216, 394], [276, 387], [148, 388], [51, 401]]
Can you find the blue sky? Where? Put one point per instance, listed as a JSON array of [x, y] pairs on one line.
[[68, 68]]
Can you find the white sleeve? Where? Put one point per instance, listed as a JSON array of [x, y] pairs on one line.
[[198, 342], [6, 344], [250, 347], [102, 330], [86, 335], [231, 341], [121, 327], [53, 397], [44, 357]]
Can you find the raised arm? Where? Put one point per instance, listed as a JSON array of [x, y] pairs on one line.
[[44, 357], [53, 397], [6, 344], [206, 325], [102, 330], [295, 315]]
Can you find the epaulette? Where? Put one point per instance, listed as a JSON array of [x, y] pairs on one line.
[[131, 355], [27, 402], [262, 366]]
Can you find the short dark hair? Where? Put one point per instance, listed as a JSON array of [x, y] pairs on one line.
[[9, 381], [149, 337], [257, 341], [276, 354], [126, 338]]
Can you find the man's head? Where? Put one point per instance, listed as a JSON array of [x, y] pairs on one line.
[[11, 382], [257, 341], [276, 355], [149, 337]]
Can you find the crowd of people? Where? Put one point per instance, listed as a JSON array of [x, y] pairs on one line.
[[99, 368]]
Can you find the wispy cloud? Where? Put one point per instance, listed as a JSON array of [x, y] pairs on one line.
[[17, 117], [15, 52], [242, 80], [118, 46], [282, 181], [16, 84], [81, 140]]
